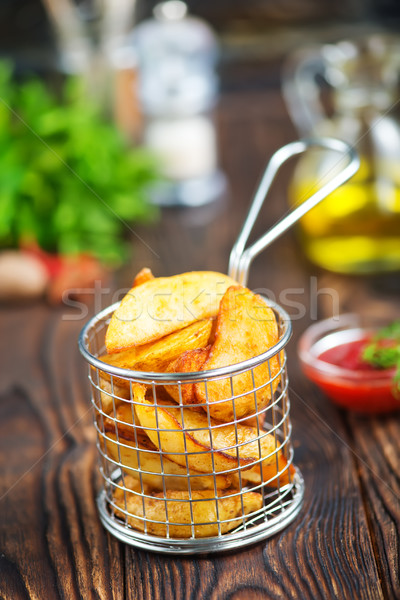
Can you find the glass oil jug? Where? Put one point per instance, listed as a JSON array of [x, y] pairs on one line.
[[350, 91]]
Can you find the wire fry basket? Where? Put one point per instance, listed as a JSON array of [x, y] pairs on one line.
[[126, 458], [175, 480]]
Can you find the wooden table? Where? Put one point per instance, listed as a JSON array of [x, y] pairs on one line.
[[344, 543]]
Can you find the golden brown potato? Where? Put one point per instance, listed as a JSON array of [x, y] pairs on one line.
[[103, 397], [227, 441], [179, 511], [129, 452], [267, 474], [157, 356], [246, 327], [162, 305], [175, 441], [144, 275], [125, 420], [188, 362]]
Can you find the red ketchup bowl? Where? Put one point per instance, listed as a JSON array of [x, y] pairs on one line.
[[330, 356]]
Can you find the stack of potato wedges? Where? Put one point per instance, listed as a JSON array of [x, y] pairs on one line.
[[190, 452]]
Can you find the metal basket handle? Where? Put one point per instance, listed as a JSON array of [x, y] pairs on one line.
[[241, 258]]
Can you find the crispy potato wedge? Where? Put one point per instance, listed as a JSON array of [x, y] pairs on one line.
[[157, 356], [162, 305], [103, 396], [252, 420], [125, 421], [132, 452], [188, 362], [197, 439], [144, 275], [246, 327], [179, 511], [267, 474], [172, 440]]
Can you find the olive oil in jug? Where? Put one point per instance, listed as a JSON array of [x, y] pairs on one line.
[[357, 228]]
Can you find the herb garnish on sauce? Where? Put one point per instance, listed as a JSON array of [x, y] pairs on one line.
[[383, 351]]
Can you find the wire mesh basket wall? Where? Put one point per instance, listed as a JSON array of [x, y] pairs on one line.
[[175, 479]]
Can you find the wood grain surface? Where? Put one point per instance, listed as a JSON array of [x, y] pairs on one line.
[[345, 542]]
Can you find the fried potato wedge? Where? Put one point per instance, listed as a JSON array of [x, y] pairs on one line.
[[125, 421], [103, 390], [144, 275], [162, 305], [157, 356], [176, 508], [268, 473], [139, 453], [216, 448], [246, 327], [252, 420], [176, 439], [188, 362]]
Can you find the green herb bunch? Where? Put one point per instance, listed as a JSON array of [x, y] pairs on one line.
[[68, 181], [384, 351]]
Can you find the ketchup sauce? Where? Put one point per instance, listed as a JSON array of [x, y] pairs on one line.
[[348, 356], [351, 382]]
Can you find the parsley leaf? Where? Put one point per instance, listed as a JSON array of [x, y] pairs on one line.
[[384, 351], [69, 182]]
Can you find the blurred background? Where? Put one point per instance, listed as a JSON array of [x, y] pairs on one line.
[[252, 29], [112, 109]]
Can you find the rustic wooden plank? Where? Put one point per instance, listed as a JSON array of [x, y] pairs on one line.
[[377, 455], [374, 441], [52, 543], [22, 529]]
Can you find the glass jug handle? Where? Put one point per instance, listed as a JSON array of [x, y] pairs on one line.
[[301, 90]]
